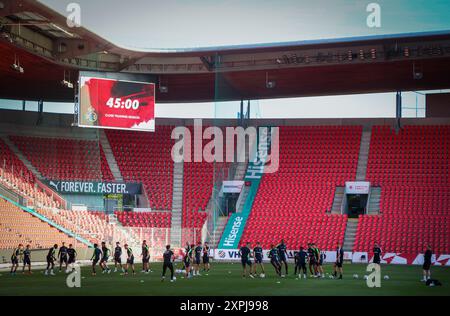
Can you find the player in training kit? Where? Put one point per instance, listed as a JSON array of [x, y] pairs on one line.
[[27, 259], [72, 253], [275, 259], [168, 257], [319, 259], [118, 257], [312, 260], [192, 258], [130, 259], [282, 251], [95, 258], [15, 259], [300, 263], [145, 257], [258, 257], [339, 261], [62, 256], [376, 254], [427, 258], [104, 260], [188, 247], [51, 260], [245, 260], [198, 254], [187, 260], [206, 265]]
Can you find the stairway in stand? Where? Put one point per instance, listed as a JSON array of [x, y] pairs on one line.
[[110, 156], [350, 234], [214, 238]]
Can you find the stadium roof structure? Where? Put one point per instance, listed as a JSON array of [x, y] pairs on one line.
[[39, 39]]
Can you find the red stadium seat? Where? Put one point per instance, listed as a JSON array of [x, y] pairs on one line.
[[292, 202], [412, 169], [65, 159]]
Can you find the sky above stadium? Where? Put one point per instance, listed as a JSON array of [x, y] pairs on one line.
[[169, 24], [200, 23]]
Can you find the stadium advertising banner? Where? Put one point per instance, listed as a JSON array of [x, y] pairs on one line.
[[401, 258], [233, 255], [98, 188], [232, 186], [355, 257], [116, 104], [357, 187]]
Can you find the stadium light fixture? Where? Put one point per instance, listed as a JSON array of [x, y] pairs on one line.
[[406, 52], [163, 87], [417, 72], [350, 55], [16, 65], [361, 54], [67, 83], [270, 84]]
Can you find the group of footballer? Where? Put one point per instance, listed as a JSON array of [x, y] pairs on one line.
[[278, 256], [197, 255], [193, 258]]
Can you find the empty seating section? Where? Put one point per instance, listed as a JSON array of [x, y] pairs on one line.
[[145, 219], [18, 226], [16, 176], [92, 226], [198, 184], [65, 159], [146, 158], [412, 168], [293, 202], [154, 227], [10, 163]]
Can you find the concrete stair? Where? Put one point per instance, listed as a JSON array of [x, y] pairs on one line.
[[214, 238], [374, 201], [350, 234], [112, 163], [177, 204], [242, 198], [241, 167], [337, 201], [21, 156], [363, 155]]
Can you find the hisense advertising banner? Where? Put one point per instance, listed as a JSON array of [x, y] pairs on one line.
[[116, 104], [99, 188]]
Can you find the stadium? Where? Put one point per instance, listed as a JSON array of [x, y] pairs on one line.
[[101, 188]]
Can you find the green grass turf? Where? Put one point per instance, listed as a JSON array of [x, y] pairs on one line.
[[225, 279]]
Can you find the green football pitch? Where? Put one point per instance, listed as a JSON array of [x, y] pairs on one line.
[[225, 279]]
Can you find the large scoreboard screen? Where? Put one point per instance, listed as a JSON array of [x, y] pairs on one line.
[[116, 104]]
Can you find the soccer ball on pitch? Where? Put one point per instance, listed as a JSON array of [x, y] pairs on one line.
[[386, 277], [355, 276], [174, 278], [365, 277], [262, 275]]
